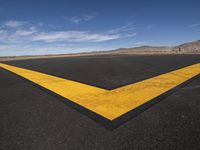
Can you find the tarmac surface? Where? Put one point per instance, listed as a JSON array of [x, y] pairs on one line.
[[33, 119]]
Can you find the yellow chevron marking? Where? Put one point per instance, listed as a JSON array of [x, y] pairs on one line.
[[110, 104]]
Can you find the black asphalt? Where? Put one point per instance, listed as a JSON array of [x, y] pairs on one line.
[[31, 119]]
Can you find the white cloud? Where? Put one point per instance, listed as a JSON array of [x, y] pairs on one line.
[[14, 24], [3, 35], [24, 32], [2, 32], [19, 37], [80, 18], [75, 19], [73, 36], [5, 47], [125, 28], [40, 24], [193, 25], [35, 33], [88, 17], [128, 35]]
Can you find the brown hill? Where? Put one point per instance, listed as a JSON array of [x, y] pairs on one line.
[[190, 47], [186, 48]]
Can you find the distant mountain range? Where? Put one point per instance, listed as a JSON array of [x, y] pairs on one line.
[[186, 48], [191, 47]]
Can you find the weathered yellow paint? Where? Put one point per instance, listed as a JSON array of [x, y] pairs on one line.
[[109, 103]]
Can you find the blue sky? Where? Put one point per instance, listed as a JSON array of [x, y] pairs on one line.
[[69, 26]]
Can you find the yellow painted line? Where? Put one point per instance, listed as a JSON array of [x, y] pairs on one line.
[[110, 104]]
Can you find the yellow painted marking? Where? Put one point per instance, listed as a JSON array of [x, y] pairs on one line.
[[109, 103]]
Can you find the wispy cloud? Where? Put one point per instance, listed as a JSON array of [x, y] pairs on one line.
[[75, 19], [125, 28], [80, 18], [24, 32], [16, 33], [73, 36], [193, 25], [88, 17], [22, 35], [28, 36], [14, 23]]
